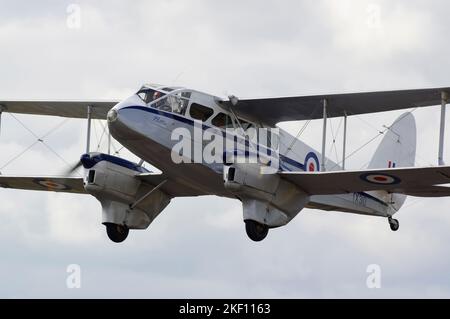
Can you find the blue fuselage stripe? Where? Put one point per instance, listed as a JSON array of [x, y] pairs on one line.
[[205, 127], [283, 158]]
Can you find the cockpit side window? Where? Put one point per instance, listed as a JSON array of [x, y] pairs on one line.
[[200, 112], [222, 120], [143, 95], [175, 102], [149, 95], [183, 102]]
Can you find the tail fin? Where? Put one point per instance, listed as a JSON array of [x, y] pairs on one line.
[[397, 149]]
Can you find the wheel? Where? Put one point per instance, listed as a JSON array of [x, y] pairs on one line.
[[117, 233], [394, 224], [256, 231]]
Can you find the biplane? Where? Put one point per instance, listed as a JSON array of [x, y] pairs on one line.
[[274, 177]]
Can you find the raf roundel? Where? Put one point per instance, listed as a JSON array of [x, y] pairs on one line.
[[51, 185], [312, 163], [380, 179]]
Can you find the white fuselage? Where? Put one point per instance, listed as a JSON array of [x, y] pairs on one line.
[[147, 132]]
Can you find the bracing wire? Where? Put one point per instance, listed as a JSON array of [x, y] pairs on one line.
[[102, 135], [300, 132], [19, 155], [95, 132], [335, 135], [380, 132], [360, 148], [370, 125], [113, 146], [38, 140]]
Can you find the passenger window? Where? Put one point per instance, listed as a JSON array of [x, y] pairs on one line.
[[222, 120], [200, 112]]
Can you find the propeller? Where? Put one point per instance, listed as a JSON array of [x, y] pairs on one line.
[[84, 161], [73, 168]]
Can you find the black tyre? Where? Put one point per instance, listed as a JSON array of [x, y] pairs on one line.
[[256, 231], [394, 224], [117, 233]]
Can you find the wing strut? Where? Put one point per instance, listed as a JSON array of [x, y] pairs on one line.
[[324, 137], [444, 97], [324, 134], [444, 101], [88, 135], [2, 108], [133, 206], [344, 142]]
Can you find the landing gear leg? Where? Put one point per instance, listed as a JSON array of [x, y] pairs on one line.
[[394, 224], [256, 231], [117, 233]]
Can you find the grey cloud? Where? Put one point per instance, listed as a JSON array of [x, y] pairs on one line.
[[198, 247]]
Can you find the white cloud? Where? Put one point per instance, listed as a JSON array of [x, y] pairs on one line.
[[74, 223], [378, 29]]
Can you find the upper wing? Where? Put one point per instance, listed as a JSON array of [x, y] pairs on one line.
[[52, 184], [419, 182], [73, 109], [274, 110]]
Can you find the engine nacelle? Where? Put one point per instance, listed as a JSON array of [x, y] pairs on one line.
[[266, 198], [117, 188], [247, 180], [110, 181]]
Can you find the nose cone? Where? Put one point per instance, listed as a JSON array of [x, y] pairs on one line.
[[133, 100], [119, 124], [112, 115]]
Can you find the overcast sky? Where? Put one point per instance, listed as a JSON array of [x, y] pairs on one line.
[[198, 247]]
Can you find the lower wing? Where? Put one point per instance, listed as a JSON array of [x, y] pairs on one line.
[[420, 182], [52, 184], [75, 184]]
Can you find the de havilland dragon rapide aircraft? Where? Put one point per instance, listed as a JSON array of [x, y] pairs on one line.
[[165, 126]]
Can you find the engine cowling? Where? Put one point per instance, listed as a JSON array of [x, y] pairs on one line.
[[266, 198], [247, 180], [117, 188]]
